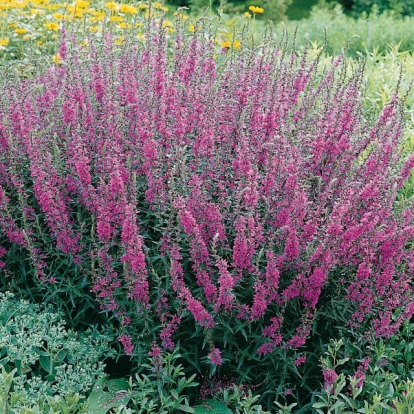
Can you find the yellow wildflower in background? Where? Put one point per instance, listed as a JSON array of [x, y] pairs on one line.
[[58, 16], [124, 25], [111, 6], [248, 15], [166, 23], [116, 19], [5, 41], [52, 26], [225, 44], [97, 18], [20, 31], [255, 9], [94, 29], [82, 4], [192, 29], [126, 8], [120, 40], [181, 15], [56, 59], [236, 44], [40, 2]]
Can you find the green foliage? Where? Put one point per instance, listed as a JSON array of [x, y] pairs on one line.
[[385, 384], [403, 7], [160, 387], [365, 33], [43, 363], [233, 400], [273, 9], [107, 394]]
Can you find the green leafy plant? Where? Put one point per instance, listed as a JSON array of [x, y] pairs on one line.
[[372, 379], [41, 361]]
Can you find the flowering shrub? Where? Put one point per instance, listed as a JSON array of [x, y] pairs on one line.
[[214, 199]]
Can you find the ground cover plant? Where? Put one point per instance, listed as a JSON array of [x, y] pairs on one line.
[[227, 209], [42, 364]]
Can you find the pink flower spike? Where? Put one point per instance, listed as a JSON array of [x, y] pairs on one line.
[[215, 357]]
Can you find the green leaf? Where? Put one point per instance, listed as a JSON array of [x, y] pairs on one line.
[[319, 405], [174, 393], [185, 408], [212, 407], [101, 401], [46, 363]]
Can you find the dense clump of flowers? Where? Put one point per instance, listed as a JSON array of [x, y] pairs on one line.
[[215, 188]]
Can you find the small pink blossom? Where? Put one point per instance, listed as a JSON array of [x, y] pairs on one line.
[[215, 356]]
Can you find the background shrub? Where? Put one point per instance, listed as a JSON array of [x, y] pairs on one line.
[[365, 33]]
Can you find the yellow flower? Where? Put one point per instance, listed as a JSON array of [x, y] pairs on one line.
[[21, 30], [116, 19], [166, 23], [56, 59], [181, 15], [170, 30], [225, 44], [124, 25], [111, 6], [52, 26], [94, 29], [5, 41], [248, 15], [11, 25], [236, 44], [58, 16], [126, 8], [96, 19], [120, 40], [255, 9], [36, 12], [143, 6], [82, 4], [27, 37], [192, 29], [84, 43], [139, 24]]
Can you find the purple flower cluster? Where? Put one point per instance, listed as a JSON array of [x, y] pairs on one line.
[[263, 175]]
